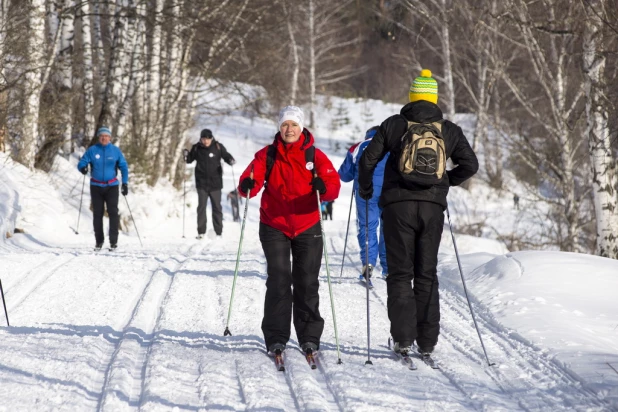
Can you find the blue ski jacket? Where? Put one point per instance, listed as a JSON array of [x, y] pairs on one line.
[[349, 169], [105, 161]]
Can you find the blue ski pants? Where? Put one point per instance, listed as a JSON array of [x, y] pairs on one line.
[[376, 241]]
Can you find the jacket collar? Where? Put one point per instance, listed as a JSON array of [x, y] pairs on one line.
[[213, 144], [422, 111], [306, 140]]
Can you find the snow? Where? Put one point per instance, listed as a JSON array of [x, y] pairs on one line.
[[142, 327]]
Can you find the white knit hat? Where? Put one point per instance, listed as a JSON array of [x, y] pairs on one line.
[[293, 113]]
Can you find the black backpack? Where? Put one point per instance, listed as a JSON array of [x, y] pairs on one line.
[[271, 156], [422, 155]]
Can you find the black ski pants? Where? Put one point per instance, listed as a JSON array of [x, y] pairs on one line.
[[412, 232], [215, 203], [292, 287], [105, 198]]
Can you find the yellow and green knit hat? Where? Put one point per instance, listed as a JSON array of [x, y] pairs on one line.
[[424, 87]]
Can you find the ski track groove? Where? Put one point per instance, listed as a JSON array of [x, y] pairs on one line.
[[451, 379], [508, 347], [140, 362], [513, 350], [287, 379], [300, 371], [38, 280], [328, 383]]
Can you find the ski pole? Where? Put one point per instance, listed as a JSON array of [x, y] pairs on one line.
[[242, 232], [368, 362], [463, 281], [134, 225], [4, 304], [80, 205], [184, 200], [330, 288], [347, 230]]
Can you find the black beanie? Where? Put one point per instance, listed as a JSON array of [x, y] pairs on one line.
[[206, 133]]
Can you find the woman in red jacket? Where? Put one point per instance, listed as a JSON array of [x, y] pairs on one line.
[[290, 226]]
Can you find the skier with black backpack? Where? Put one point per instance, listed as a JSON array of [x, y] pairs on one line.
[[413, 199], [291, 170]]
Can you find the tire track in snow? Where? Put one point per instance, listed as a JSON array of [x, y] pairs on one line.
[[124, 378]]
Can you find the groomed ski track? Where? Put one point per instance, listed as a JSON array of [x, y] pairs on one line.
[[142, 329]]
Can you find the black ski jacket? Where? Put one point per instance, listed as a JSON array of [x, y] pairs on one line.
[[208, 170], [388, 139]]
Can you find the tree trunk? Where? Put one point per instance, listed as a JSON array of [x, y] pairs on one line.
[[129, 68], [28, 128], [154, 82], [109, 105], [66, 75], [312, 63], [448, 65], [604, 179], [296, 58], [88, 80]]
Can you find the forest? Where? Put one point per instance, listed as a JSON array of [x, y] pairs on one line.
[[540, 77]]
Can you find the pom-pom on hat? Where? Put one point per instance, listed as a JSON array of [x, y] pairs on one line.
[[424, 87], [293, 113], [104, 130]]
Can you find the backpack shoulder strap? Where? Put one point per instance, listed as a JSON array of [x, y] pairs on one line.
[[271, 155], [310, 154]]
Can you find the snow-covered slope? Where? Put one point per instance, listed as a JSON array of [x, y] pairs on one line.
[[142, 328]]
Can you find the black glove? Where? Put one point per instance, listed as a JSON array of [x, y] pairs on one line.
[[365, 194], [84, 170], [247, 184], [318, 184], [185, 154], [125, 189]]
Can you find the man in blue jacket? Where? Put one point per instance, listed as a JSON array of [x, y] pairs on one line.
[[348, 172], [105, 159]]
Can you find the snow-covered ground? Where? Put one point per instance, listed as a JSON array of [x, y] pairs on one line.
[[142, 327]]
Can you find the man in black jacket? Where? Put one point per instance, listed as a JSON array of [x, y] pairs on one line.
[[208, 178], [413, 215]]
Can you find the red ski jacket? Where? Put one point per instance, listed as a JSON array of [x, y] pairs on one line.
[[288, 203]]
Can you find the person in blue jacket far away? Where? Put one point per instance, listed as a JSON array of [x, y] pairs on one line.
[[105, 159], [348, 172]]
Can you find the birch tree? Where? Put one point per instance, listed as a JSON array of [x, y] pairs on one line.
[[154, 77], [483, 53], [431, 20], [109, 103], [294, 53], [28, 128], [85, 8], [550, 96], [331, 39], [65, 69], [602, 160]]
